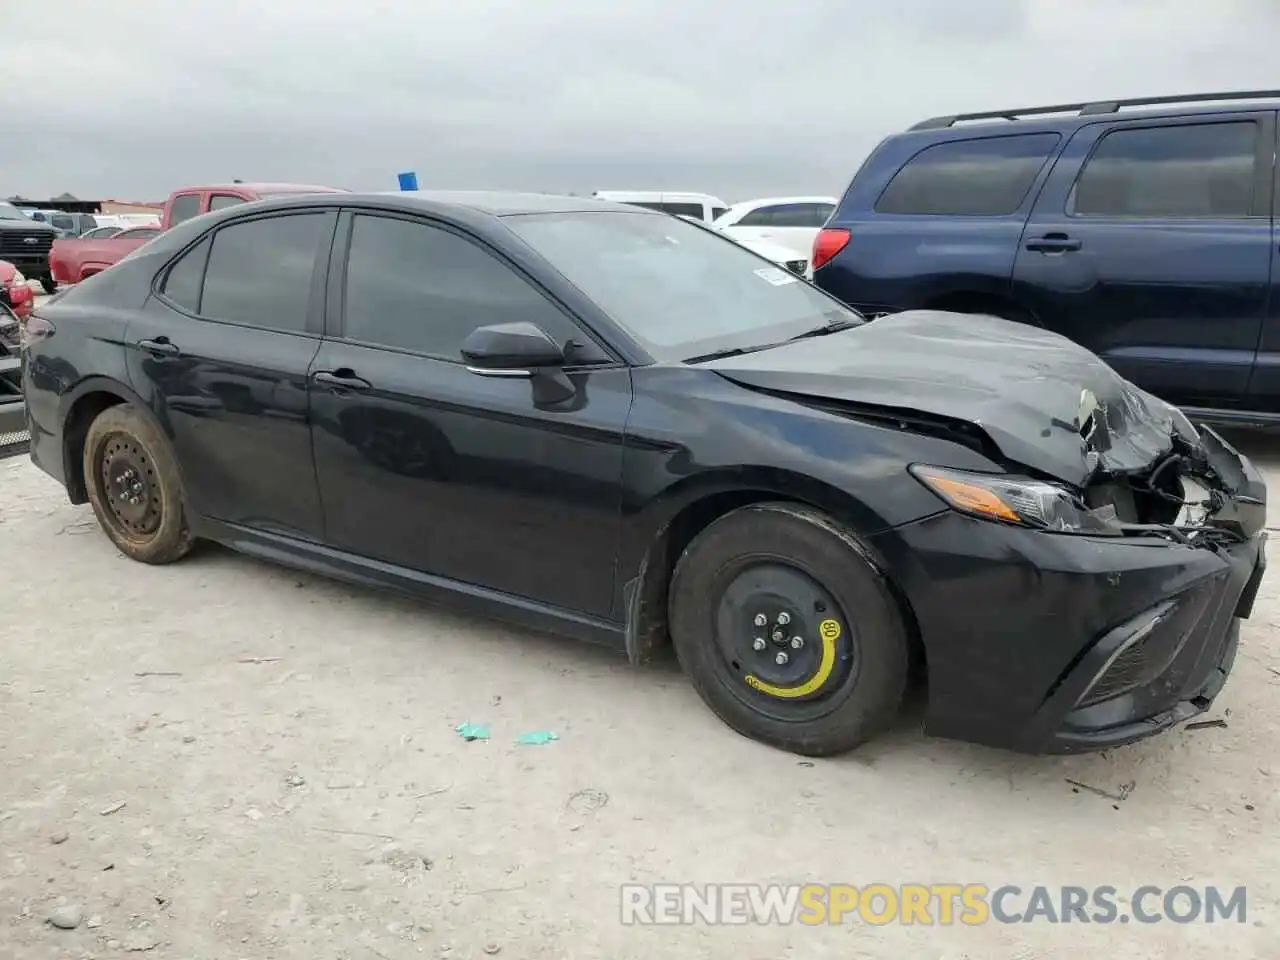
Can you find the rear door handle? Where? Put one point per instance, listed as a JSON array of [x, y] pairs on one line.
[[160, 347], [1054, 243], [341, 379]]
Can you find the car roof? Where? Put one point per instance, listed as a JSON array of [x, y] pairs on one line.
[[261, 187], [500, 203], [1071, 116], [674, 196], [770, 201], [473, 205]]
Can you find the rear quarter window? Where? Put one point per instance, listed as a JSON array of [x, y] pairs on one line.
[[989, 177]]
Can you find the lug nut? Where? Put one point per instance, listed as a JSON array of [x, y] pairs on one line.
[[784, 618], [761, 619], [797, 643], [758, 643], [781, 658]]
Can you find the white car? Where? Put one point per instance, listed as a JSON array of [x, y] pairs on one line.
[[791, 222], [782, 256], [697, 206]]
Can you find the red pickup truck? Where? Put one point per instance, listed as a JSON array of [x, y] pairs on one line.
[[74, 258], [71, 259]]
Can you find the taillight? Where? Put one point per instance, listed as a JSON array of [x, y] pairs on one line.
[[830, 241], [33, 329]]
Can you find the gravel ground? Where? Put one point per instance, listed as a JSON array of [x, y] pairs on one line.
[[224, 759]]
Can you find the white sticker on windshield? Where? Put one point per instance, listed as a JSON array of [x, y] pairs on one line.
[[773, 275]]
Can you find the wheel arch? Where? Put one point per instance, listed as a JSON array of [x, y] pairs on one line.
[[81, 406], [687, 509]]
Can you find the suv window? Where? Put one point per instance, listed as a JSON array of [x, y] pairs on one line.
[[974, 178], [416, 287], [259, 271], [184, 208], [63, 222], [220, 201], [1189, 170]]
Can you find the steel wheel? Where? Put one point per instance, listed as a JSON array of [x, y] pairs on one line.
[[129, 487], [788, 630], [134, 485], [783, 638]]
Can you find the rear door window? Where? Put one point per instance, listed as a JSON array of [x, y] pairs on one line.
[[1200, 170], [259, 271], [182, 283], [972, 178]]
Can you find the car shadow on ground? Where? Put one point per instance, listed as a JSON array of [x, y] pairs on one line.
[[902, 753]]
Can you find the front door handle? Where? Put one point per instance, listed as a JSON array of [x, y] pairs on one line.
[[1054, 243], [160, 347], [341, 379]]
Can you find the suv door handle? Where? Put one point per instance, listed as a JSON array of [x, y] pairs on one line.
[[1054, 243], [343, 379], [159, 347]]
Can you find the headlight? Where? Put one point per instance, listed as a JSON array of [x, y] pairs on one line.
[[1012, 499]]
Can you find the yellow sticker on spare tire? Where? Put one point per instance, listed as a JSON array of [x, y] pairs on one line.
[[830, 631]]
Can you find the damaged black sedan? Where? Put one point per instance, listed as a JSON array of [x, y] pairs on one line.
[[607, 422]]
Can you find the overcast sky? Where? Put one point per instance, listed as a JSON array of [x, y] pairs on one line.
[[739, 98]]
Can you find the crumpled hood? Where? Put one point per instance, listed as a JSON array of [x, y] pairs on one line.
[[1037, 395]]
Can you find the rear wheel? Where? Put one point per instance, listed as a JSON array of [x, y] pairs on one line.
[[134, 486], [787, 630]]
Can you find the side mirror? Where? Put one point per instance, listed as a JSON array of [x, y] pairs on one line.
[[510, 350]]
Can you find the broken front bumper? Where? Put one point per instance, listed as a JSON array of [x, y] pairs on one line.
[[1045, 642]]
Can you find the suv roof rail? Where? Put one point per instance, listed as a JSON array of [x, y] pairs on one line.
[[1095, 108]]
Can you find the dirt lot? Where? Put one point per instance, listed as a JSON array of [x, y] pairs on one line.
[[222, 759]]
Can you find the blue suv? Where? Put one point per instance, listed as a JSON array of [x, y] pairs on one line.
[[1147, 235]]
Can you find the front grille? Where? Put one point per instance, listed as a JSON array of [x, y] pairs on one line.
[[16, 242], [1126, 672], [1154, 641]]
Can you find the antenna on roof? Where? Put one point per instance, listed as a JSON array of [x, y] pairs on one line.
[[237, 180]]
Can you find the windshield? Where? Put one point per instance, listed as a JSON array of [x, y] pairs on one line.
[[9, 212], [681, 290]]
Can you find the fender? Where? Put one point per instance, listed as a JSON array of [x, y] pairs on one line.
[[653, 538], [67, 404]]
